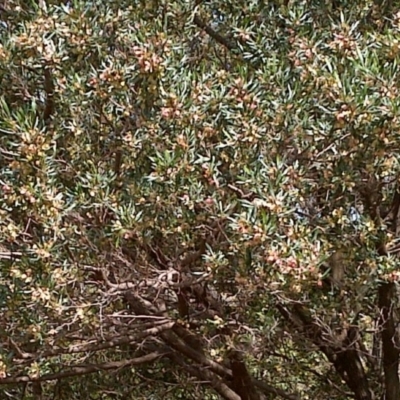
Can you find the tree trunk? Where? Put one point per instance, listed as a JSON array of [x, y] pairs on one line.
[[387, 292]]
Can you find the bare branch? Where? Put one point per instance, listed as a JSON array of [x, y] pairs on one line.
[[101, 346], [85, 369], [184, 347], [207, 375]]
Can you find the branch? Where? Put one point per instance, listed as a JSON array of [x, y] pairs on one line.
[[128, 339], [190, 338], [387, 294], [265, 388], [394, 211], [242, 382], [182, 346], [343, 355], [200, 358], [204, 374], [8, 155], [49, 90], [9, 255], [215, 35], [177, 343], [85, 369]]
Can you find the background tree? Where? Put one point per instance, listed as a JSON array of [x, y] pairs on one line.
[[199, 200]]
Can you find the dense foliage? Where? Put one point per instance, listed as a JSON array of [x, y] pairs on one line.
[[199, 199]]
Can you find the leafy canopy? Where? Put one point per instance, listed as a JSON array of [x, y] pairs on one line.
[[178, 177]]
